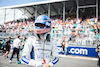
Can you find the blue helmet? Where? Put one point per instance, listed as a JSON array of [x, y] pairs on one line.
[[42, 24]]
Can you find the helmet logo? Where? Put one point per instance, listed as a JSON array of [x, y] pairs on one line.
[[47, 23]]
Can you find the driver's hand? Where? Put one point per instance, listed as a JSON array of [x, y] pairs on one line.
[[96, 50]]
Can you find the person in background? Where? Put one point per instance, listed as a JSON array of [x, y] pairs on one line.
[[63, 47], [3, 43], [16, 45], [98, 50], [66, 48], [0, 45], [7, 47], [39, 48], [23, 43]]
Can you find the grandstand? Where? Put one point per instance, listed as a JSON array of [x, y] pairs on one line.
[[72, 20]]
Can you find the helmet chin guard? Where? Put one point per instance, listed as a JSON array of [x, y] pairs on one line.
[[40, 31], [42, 24]]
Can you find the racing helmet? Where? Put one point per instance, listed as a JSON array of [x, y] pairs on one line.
[[42, 24]]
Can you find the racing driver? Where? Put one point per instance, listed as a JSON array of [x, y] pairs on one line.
[[38, 49]]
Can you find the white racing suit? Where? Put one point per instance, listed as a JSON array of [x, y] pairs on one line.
[[39, 52]]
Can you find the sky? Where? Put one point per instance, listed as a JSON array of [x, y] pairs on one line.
[[17, 2], [5, 3]]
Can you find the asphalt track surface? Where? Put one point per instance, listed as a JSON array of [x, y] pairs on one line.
[[64, 61]]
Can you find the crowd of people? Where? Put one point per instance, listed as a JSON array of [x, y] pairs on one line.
[[75, 30], [71, 26], [17, 28], [79, 32]]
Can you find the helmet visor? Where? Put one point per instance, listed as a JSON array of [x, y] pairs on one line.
[[40, 25]]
